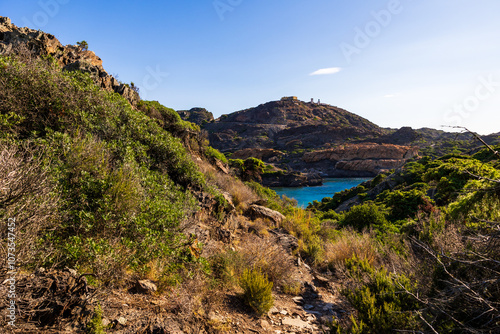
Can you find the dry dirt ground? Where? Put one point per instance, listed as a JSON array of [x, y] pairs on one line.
[[62, 301]]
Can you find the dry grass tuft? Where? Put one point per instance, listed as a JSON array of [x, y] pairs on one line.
[[348, 244], [27, 199], [240, 193], [268, 257]]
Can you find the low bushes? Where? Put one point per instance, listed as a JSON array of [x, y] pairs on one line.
[[257, 291]]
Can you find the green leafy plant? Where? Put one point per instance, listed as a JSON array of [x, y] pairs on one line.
[[365, 216]]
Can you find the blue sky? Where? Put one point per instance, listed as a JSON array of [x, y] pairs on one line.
[[395, 62]]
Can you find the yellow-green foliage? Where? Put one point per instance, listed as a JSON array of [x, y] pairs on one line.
[[293, 288], [475, 206], [257, 291], [212, 154], [274, 201], [380, 300], [348, 244], [95, 325]]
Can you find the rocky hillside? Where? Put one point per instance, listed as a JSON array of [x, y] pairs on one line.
[[362, 158], [288, 125], [69, 57], [118, 218], [312, 139], [297, 136]]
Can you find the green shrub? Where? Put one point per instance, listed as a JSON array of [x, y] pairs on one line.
[[406, 204], [380, 299], [83, 45], [257, 291], [213, 154], [365, 216], [313, 249]]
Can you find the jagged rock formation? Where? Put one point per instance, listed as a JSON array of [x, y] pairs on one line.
[[70, 57]]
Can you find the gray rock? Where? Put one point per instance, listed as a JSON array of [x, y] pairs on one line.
[[257, 211], [297, 322], [289, 242], [121, 321], [145, 286]]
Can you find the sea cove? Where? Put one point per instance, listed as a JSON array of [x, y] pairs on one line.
[[305, 195]]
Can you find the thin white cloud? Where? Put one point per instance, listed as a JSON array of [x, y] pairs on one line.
[[388, 96], [324, 71]]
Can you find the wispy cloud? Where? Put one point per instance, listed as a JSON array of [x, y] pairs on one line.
[[388, 96], [324, 71]]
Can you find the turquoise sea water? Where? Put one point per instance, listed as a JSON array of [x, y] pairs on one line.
[[305, 195]]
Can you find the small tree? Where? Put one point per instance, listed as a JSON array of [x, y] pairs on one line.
[[84, 46]]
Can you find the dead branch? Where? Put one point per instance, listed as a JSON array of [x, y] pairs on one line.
[[478, 138]]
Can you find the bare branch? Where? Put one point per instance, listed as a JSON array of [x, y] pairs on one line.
[[478, 138]]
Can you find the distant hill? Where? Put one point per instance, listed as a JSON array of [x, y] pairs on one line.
[[324, 139], [288, 125], [312, 138]]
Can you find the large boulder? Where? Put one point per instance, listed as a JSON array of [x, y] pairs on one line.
[[256, 211]]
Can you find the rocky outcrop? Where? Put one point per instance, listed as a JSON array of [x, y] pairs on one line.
[[362, 152], [291, 179], [198, 116], [288, 125], [256, 211], [70, 57], [368, 157], [267, 154]]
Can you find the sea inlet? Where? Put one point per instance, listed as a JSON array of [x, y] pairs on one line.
[[305, 195]]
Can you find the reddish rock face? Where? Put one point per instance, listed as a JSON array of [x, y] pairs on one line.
[[362, 152], [368, 157]]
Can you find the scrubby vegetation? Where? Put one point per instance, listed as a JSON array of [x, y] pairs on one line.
[[116, 192], [435, 224], [105, 184]]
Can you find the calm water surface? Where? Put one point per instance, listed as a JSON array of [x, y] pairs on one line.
[[305, 195]]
